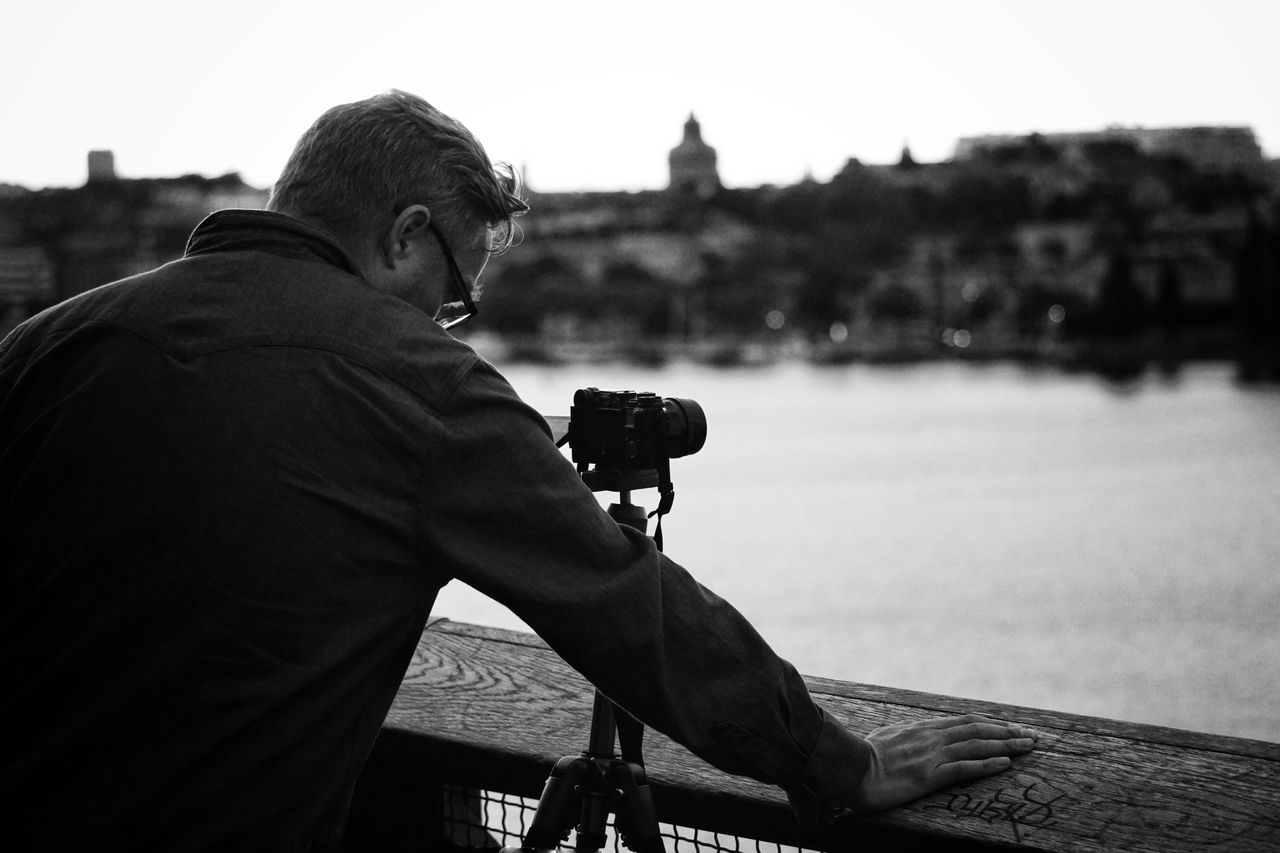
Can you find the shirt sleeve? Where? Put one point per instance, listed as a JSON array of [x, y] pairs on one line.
[[507, 513]]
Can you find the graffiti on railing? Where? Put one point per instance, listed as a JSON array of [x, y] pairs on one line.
[[1020, 808]]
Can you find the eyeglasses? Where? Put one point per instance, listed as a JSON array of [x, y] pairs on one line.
[[463, 308]]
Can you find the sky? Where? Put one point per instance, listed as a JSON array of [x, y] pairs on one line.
[[593, 95]]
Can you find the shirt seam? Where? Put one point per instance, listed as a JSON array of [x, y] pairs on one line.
[[450, 385]]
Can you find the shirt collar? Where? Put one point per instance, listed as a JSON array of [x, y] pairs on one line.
[[268, 231]]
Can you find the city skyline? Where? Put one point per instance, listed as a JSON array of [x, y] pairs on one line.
[[580, 97]]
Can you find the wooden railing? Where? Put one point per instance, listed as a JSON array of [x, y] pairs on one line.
[[491, 709]]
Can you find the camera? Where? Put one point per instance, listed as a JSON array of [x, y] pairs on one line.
[[633, 430]]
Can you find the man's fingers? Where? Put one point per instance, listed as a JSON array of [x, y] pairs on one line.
[[988, 731], [962, 771], [985, 748], [969, 726]]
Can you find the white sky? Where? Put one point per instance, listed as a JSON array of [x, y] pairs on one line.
[[592, 95]]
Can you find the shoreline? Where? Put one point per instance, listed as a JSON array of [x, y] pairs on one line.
[[1120, 360]]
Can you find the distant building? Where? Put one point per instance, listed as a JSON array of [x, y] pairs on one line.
[[26, 274], [693, 164], [102, 166], [1210, 149]]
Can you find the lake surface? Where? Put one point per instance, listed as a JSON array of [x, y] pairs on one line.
[[997, 532]]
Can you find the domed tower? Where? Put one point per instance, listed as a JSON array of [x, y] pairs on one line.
[[693, 164]]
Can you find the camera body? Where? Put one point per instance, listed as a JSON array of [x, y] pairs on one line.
[[632, 430]]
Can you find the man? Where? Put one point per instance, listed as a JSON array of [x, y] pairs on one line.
[[231, 487]]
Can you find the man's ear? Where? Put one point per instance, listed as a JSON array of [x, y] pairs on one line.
[[405, 234]]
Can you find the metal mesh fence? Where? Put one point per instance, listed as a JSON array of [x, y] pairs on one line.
[[489, 820]]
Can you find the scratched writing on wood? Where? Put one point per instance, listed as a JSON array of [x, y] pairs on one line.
[[1020, 808]]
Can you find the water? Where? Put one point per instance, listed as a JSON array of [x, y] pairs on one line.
[[993, 532]]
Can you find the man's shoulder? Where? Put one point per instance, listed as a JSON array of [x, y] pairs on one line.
[[256, 300], [208, 309]]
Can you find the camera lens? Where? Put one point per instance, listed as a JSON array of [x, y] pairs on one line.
[[686, 426]]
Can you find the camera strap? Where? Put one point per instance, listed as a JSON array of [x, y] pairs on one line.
[[666, 497]]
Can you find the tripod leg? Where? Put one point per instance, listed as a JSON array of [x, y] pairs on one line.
[[637, 819], [558, 805], [592, 827]]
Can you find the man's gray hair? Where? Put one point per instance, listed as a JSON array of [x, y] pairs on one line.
[[360, 164]]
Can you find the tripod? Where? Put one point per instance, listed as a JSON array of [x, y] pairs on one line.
[[583, 789]]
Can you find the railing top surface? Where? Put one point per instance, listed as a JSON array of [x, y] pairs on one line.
[[499, 705]]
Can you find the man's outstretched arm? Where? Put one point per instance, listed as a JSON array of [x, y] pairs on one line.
[[509, 516]]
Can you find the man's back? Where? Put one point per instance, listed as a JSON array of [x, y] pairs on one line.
[[204, 476]]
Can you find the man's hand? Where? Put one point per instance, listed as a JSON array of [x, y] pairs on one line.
[[909, 760]]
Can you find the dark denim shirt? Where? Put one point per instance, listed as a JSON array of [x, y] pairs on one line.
[[230, 489]]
